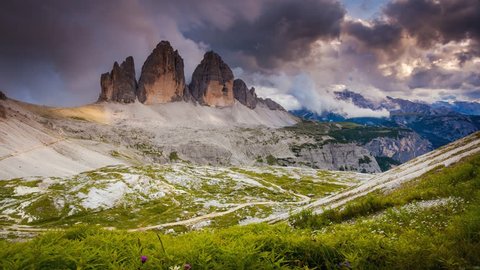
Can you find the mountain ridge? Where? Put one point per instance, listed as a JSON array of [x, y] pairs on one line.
[[162, 80], [437, 123]]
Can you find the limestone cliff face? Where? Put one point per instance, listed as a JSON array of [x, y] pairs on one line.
[[272, 105], [244, 95], [335, 156], [212, 82], [407, 146], [120, 84], [162, 79]]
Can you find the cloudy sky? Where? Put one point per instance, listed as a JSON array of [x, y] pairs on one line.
[[295, 51]]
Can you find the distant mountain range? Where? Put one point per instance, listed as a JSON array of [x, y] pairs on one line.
[[439, 123]]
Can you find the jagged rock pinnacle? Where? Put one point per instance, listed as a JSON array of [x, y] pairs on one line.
[[120, 84], [243, 95], [212, 82], [162, 79]]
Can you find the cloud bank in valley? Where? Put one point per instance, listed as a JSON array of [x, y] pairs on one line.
[[55, 51]]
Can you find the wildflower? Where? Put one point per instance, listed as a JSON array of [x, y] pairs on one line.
[[345, 264], [143, 259], [176, 267], [187, 266]]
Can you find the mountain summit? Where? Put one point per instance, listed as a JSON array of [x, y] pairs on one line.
[[120, 84], [212, 82], [162, 80]]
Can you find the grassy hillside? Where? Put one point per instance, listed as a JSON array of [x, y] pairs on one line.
[[432, 222], [130, 197]]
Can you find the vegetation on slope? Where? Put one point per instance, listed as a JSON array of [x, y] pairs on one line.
[[432, 222], [131, 197], [343, 132]]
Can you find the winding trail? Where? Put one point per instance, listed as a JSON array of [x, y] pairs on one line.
[[16, 153]]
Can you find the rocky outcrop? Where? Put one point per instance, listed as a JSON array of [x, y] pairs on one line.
[[402, 149], [120, 84], [243, 94], [272, 105], [162, 79], [335, 156], [212, 82], [3, 111]]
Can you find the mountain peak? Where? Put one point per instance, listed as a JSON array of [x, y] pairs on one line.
[[162, 79], [212, 82], [244, 95], [120, 84]]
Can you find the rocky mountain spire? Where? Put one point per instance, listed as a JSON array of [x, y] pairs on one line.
[[212, 82], [162, 79], [243, 95], [120, 84]]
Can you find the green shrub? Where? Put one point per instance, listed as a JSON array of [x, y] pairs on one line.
[[173, 156], [271, 160], [364, 160]]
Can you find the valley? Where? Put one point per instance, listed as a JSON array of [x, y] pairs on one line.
[[135, 197], [230, 180], [352, 221]]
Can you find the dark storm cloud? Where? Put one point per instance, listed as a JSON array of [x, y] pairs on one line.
[[432, 78], [437, 21], [430, 22], [283, 31], [474, 79], [437, 78], [377, 35], [53, 51]]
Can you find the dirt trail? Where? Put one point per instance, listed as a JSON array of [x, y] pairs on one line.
[[16, 153]]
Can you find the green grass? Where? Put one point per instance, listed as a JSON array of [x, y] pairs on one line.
[[251, 247], [305, 185], [62, 203], [432, 222]]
